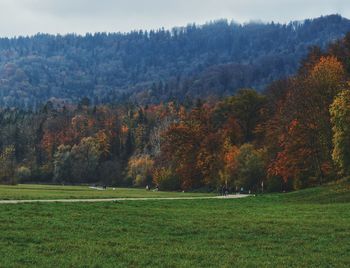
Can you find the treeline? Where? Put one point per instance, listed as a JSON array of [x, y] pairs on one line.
[[295, 135], [157, 66]]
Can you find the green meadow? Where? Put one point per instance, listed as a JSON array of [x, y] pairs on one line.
[[30, 192], [309, 228]]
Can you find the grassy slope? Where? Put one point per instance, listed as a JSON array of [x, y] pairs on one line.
[[76, 192], [310, 228]]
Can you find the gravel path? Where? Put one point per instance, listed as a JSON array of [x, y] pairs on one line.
[[118, 199]]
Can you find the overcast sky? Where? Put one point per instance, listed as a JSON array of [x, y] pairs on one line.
[[28, 17]]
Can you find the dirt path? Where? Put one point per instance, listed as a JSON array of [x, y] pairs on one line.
[[118, 199]]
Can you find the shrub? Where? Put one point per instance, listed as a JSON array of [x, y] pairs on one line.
[[23, 174], [110, 173], [274, 184], [166, 179]]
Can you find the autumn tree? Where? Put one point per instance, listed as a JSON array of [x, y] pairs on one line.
[[303, 125], [209, 158], [250, 167], [179, 151], [166, 179], [246, 107], [228, 174], [340, 112], [85, 160], [140, 170]]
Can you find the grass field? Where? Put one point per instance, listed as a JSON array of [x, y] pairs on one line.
[[310, 228], [29, 192]]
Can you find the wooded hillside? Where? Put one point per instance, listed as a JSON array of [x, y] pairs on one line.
[[294, 135], [214, 59]]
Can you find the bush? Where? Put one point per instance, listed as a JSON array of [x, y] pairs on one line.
[[23, 174], [274, 184], [110, 173], [166, 180]]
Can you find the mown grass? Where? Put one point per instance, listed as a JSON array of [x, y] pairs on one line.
[[30, 192], [304, 229]]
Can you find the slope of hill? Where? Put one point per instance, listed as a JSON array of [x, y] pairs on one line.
[[327, 194], [212, 59]]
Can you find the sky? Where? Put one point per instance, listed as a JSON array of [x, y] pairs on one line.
[[28, 17]]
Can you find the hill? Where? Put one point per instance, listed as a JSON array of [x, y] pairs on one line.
[[327, 194], [212, 59]]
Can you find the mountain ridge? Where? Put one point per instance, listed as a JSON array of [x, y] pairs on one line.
[[149, 67]]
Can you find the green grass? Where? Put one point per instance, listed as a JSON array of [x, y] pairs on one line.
[[309, 228], [30, 192]]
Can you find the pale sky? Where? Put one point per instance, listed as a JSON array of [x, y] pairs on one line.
[[28, 17]]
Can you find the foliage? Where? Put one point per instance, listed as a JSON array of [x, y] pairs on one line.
[[179, 152], [63, 165], [250, 168], [166, 179], [340, 112], [140, 170], [155, 66], [192, 144], [7, 165], [245, 106], [85, 159], [229, 174], [302, 128], [23, 174]]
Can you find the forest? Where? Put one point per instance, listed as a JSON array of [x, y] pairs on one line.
[[293, 135], [149, 67]]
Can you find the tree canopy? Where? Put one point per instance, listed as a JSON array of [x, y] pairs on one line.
[[214, 59]]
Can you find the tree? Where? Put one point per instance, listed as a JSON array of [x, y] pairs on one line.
[[302, 127], [340, 114], [140, 170], [63, 164], [250, 167], [85, 160], [8, 165], [209, 159], [104, 143], [84, 102], [246, 106], [295, 163], [166, 179], [228, 174], [179, 152]]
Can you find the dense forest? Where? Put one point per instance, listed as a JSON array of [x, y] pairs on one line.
[[293, 135], [215, 59]]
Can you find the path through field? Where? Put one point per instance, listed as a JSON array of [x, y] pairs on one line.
[[119, 199]]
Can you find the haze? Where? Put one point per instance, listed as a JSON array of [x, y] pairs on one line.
[[28, 17]]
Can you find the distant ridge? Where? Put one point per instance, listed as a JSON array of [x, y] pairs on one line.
[[187, 62]]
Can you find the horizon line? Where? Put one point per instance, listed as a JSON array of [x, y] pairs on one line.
[[178, 27]]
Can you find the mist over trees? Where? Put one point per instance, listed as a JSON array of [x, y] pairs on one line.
[[215, 59]]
